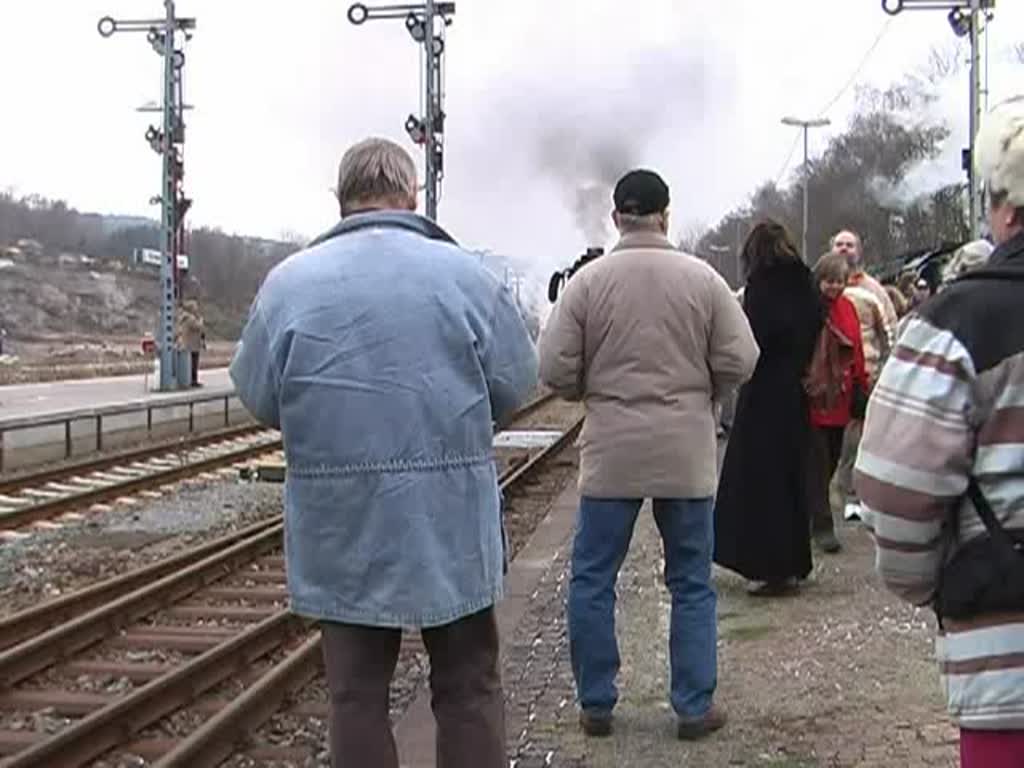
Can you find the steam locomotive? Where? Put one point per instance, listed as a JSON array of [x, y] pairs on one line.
[[561, 277]]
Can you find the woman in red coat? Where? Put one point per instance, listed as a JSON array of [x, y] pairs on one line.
[[837, 388]]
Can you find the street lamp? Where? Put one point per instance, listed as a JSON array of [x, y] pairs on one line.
[[806, 125]]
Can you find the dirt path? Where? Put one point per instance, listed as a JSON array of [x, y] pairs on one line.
[[841, 675]]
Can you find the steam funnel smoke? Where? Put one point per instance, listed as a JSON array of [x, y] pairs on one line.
[[586, 145], [586, 167], [591, 209]]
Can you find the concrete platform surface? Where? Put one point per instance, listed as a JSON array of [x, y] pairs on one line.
[[841, 674], [543, 555], [34, 399]]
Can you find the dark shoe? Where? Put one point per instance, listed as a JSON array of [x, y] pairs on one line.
[[595, 724], [828, 542], [690, 729], [774, 588]]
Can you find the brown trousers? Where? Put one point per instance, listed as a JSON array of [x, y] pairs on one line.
[[465, 686], [826, 450]]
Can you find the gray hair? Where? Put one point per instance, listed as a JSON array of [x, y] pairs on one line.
[[375, 170], [650, 222]]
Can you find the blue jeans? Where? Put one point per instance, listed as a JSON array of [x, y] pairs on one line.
[[604, 528]]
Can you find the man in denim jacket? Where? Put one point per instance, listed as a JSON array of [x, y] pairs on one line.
[[384, 353]]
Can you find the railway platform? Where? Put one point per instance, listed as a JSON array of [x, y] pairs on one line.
[[841, 674], [53, 421], [48, 397]]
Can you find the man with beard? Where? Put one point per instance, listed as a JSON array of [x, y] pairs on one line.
[[878, 322]]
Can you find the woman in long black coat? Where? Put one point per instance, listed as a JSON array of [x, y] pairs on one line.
[[762, 518]]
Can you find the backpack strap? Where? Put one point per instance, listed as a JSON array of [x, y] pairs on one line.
[[1005, 549], [1006, 545]]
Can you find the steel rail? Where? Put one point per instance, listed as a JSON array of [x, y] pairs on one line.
[[52, 507], [27, 623], [44, 650], [531, 407], [117, 722], [519, 474], [35, 479], [30, 622], [215, 741]]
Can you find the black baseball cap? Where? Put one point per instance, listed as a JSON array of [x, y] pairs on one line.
[[640, 193]]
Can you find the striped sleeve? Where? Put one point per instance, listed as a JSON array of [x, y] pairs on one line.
[[915, 455]]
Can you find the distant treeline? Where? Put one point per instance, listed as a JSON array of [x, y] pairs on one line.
[[226, 270], [878, 177]]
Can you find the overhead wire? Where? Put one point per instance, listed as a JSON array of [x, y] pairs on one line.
[[789, 157], [860, 67], [842, 92]]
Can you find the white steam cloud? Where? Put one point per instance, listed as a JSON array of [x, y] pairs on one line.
[[945, 81]]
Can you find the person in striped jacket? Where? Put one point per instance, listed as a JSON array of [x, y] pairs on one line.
[[948, 408]]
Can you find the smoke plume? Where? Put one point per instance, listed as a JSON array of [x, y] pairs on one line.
[[586, 168], [586, 148]]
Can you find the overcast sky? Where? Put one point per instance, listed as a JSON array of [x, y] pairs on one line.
[[693, 89]]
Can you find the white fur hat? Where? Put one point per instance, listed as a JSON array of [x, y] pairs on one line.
[[969, 256], [999, 149]]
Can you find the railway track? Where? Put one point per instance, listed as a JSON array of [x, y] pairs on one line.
[[173, 664], [52, 494], [55, 493]]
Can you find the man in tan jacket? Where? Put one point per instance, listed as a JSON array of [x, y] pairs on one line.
[[649, 338]]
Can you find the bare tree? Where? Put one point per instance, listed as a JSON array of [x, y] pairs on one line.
[[228, 269], [690, 234], [293, 237], [861, 182], [944, 61]]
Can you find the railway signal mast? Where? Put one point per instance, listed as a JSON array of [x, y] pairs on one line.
[[965, 17], [421, 22], [169, 142]]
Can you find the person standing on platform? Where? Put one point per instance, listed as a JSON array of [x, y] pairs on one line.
[[649, 338], [899, 304], [762, 512], [941, 466], [921, 293], [848, 244], [384, 353], [837, 385], [877, 331], [192, 336]]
